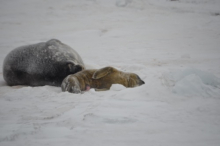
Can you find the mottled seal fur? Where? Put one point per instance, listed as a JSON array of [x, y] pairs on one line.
[[101, 79], [45, 63]]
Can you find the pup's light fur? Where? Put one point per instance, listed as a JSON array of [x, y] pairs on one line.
[[101, 79]]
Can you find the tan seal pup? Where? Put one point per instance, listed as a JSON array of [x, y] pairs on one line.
[[101, 79]]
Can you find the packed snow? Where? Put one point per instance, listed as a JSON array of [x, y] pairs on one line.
[[173, 45]]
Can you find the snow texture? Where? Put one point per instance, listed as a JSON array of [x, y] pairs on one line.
[[173, 45]]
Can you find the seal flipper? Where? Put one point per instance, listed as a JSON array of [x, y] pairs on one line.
[[103, 89], [102, 72]]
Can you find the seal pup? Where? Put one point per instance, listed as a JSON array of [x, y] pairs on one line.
[[101, 79], [45, 63]]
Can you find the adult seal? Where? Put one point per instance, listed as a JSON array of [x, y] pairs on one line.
[[45, 63]]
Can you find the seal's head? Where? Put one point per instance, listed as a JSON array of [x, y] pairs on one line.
[[73, 67], [134, 80]]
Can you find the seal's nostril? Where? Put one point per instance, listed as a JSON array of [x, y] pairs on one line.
[[143, 82]]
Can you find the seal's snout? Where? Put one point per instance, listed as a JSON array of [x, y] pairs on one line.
[[141, 82]]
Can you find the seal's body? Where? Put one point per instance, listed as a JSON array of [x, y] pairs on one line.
[[101, 80], [46, 63]]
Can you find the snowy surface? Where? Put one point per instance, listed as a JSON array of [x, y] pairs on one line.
[[173, 45]]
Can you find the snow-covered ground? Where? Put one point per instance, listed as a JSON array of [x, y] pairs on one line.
[[173, 45]]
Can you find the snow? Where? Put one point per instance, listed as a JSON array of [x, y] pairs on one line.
[[193, 82], [172, 45], [117, 87]]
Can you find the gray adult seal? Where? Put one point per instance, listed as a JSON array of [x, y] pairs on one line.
[[45, 63]]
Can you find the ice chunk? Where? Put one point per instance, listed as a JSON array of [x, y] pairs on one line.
[[192, 85], [193, 82]]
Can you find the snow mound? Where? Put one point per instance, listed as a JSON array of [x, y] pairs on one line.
[[192, 82], [117, 87]]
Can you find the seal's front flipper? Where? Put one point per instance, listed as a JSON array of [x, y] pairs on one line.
[[71, 84], [102, 72]]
